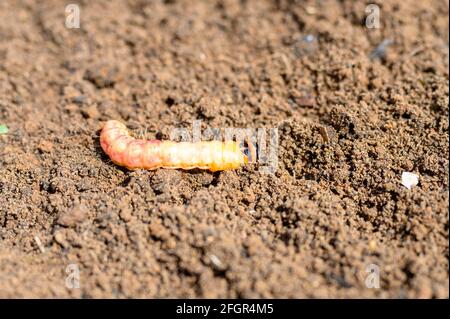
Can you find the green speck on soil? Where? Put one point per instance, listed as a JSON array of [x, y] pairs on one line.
[[3, 129]]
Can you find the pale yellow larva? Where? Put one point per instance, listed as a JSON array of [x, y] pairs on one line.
[[132, 153]]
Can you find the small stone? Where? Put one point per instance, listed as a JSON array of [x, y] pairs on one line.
[[217, 263], [80, 99], [409, 180], [39, 244], [380, 51]]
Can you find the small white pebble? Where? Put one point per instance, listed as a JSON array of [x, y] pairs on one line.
[[39, 244], [409, 180], [215, 260]]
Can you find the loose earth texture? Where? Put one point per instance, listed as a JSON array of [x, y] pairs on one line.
[[352, 116]]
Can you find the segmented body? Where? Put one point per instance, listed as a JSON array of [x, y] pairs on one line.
[[132, 153]]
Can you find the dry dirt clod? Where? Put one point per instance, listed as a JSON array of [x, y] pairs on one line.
[[60, 238], [73, 216], [324, 134], [125, 214], [45, 146], [90, 112], [158, 231], [103, 75]]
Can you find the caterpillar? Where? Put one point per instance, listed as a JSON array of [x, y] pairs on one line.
[[127, 151]]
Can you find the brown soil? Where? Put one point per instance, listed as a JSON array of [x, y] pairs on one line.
[[349, 126]]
